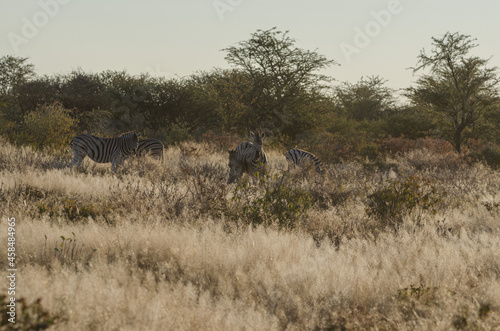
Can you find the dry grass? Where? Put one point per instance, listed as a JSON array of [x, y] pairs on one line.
[[168, 245]]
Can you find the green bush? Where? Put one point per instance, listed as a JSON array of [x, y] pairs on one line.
[[369, 151], [204, 185], [7, 128], [491, 155], [74, 209], [49, 126], [176, 133], [273, 201], [403, 197]]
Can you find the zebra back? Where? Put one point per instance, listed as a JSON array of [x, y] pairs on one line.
[[103, 150], [152, 146], [299, 158]]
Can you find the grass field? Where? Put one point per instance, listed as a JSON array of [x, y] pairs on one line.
[[408, 243]]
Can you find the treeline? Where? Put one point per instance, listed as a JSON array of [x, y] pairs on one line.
[[273, 86]]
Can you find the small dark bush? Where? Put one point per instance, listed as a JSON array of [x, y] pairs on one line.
[[403, 197], [369, 152], [28, 316], [274, 201], [207, 189], [491, 155]]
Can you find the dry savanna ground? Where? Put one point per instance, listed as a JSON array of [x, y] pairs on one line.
[[407, 243]]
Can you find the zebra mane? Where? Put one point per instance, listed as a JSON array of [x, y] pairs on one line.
[[126, 133]]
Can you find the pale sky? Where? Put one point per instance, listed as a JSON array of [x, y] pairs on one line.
[[176, 38]]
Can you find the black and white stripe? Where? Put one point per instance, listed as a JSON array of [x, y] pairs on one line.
[[154, 147], [297, 157], [104, 150], [247, 157]]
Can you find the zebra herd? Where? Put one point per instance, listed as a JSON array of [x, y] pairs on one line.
[[245, 158], [251, 158]]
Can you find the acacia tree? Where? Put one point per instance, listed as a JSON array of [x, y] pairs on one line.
[[459, 87], [13, 71], [368, 99], [284, 77]]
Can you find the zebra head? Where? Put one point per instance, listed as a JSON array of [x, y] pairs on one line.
[[131, 140], [257, 139], [235, 167]]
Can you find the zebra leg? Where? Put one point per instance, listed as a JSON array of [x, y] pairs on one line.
[[114, 163], [79, 154], [116, 160], [77, 160]]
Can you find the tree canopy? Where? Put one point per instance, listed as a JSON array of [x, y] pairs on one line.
[[368, 99], [13, 71], [458, 87], [284, 76]]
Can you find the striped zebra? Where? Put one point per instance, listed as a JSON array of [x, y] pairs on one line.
[[104, 150], [297, 157], [247, 157], [152, 146]]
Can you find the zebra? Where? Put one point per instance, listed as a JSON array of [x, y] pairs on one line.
[[151, 146], [247, 157], [104, 150], [297, 157]]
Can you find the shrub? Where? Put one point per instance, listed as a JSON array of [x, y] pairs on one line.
[[176, 133], [491, 155], [28, 317], [326, 194], [401, 145], [397, 146], [220, 141], [275, 201], [403, 197], [7, 128], [438, 146], [205, 185], [369, 151], [74, 209], [328, 147], [49, 126]]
